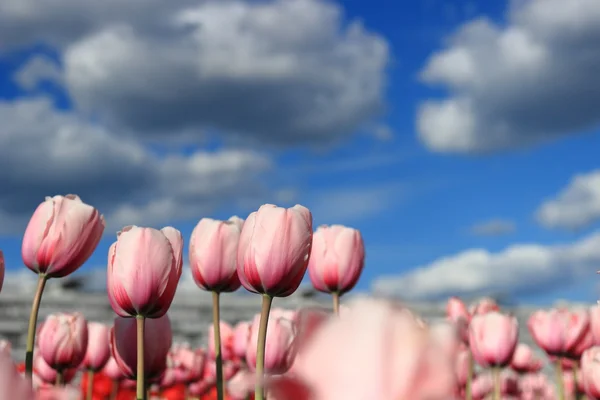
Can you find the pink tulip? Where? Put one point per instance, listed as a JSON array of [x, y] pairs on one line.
[[483, 385], [241, 336], [226, 341], [590, 371], [213, 254], [48, 374], [484, 306], [456, 309], [143, 271], [157, 342], [98, 349], [561, 332], [524, 360], [112, 369], [63, 340], [279, 351], [536, 386], [61, 235], [376, 351], [188, 363], [274, 249], [493, 338], [241, 386], [337, 259], [12, 384]]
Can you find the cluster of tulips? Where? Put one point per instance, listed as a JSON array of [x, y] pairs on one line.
[[366, 349]]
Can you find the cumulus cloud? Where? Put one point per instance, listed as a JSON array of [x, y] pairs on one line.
[[493, 227], [44, 152], [576, 206], [515, 85], [521, 268], [278, 72]]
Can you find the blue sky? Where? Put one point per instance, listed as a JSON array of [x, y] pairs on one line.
[[460, 138]]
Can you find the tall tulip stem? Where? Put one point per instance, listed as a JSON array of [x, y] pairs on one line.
[[217, 335], [575, 385], [90, 384], [114, 390], [33, 316], [141, 382], [60, 379], [260, 346], [469, 386], [559, 379], [336, 303], [497, 391]]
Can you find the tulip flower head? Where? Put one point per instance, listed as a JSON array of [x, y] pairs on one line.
[[274, 249], [337, 259], [61, 235], [144, 267], [213, 254], [63, 340]]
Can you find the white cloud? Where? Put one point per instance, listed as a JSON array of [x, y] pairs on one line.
[[511, 86], [521, 268], [576, 206], [493, 227], [44, 152], [279, 72]]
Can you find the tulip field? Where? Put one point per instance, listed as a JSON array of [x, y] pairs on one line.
[[361, 349]]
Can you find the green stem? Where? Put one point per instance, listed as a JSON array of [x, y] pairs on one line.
[[336, 303], [90, 384], [575, 386], [114, 390], [59, 378], [260, 346], [559, 379], [33, 316], [141, 382], [469, 387], [217, 335], [497, 391]]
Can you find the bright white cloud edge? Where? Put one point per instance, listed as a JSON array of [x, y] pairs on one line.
[[520, 268]]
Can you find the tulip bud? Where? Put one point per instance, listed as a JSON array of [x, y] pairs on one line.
[[274, 249], [337, 259], [493, 338], [98, 350], [143, 271], [61, 235], [279, 351], [63, 340], [213, 254]]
